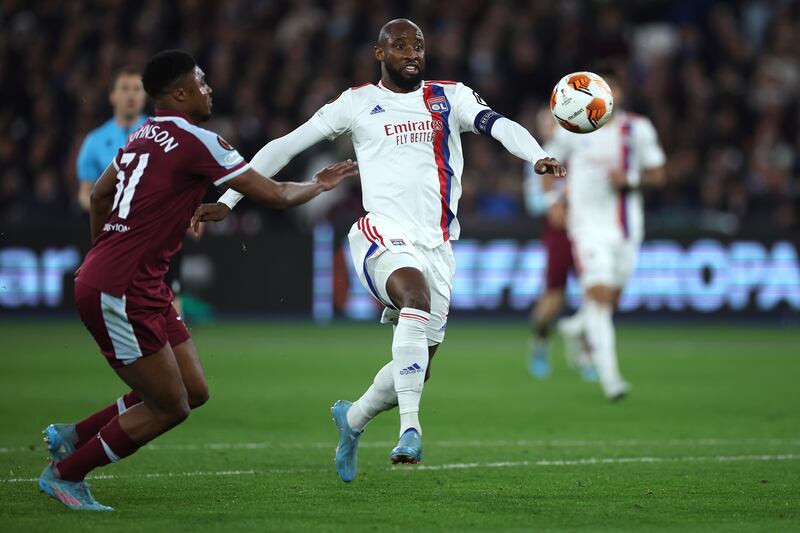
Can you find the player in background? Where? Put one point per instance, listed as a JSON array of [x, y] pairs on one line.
[[608, 169], [406, 134], [140, 209], [127, 98], [545, 198]]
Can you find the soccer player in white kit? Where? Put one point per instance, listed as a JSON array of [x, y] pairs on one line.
[[406, 135], [607, 170]]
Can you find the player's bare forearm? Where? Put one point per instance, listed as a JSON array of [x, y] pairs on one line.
[[99, 209], [84, 194], [101, 200], [294, 194], [654, 178]]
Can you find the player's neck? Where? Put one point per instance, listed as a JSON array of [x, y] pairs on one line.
[[125, 121], [387, 83]]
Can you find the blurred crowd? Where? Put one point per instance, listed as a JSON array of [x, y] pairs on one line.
[[720, 80]]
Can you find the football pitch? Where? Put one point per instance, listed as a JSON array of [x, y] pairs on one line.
[[709, 438]]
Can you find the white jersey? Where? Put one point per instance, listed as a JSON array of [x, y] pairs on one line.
[[596, 209], [408, 147]]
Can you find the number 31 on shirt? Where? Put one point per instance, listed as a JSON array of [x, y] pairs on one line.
[[124, 194]]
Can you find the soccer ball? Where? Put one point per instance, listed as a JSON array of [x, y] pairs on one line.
[[582, 102]]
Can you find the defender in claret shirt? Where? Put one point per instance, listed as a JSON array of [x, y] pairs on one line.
[[406, 134], [140, 210]]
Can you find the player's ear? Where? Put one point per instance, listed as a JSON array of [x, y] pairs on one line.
[[379, 55], [179, 94]]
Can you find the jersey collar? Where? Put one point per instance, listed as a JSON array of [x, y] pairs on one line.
[[164, 112], [383, 87]]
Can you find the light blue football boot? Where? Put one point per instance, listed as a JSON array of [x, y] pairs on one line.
[[589, 373], [539, 363], [409, 448], [60, 439], [73, 494], [347, 451]]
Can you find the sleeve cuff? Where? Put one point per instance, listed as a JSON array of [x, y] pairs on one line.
[[231, 175]]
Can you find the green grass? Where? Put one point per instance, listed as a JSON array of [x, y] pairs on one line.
[[715, 409]]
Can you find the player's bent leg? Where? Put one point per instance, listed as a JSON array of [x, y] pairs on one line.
[[157, 380], [544, 313], [577, 351], [192, 374], [165, 403], [599, 308], [408, 290], [431, 352]]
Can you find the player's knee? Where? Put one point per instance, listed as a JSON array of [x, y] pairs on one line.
[[198, 396], [416, 299], [174, 410], [601, 294], [178, 413]]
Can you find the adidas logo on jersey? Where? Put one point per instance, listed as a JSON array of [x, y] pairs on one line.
[[375, 110], [413, 369]]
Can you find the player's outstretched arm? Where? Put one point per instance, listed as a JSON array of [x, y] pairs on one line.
[[650, 178], [277, 195], [276, 154], [521, 143], [102, 200]]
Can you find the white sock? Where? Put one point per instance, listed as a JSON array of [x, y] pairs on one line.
[[379, 397], [575, 324], [600, 334], [410, 360]]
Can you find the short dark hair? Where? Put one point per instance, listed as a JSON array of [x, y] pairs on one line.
[[164, 68], [125, 70]]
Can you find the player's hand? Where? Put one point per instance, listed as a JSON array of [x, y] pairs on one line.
[[618, 178], [196, 231], [208, 213], [550, 165], [332, 175], [557, 215]]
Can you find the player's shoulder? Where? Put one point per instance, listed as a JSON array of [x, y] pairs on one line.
[[198, 138], [101, 131], [362, 86], [636, 118], [357, 92], [642, 125], [181, 127]]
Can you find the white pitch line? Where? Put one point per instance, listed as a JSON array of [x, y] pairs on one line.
[[605, 461], [540, 443], [459, 466]]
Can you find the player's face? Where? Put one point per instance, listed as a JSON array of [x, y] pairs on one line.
[[403, 55], [199, 95], [127, 96]]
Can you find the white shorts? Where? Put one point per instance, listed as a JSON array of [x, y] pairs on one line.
[[604, 262], [378, 248]]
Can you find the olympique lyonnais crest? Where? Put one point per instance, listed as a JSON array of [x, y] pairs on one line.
[[438, 104]]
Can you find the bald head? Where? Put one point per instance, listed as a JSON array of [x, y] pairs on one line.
[[397, 27], [401, 51]]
